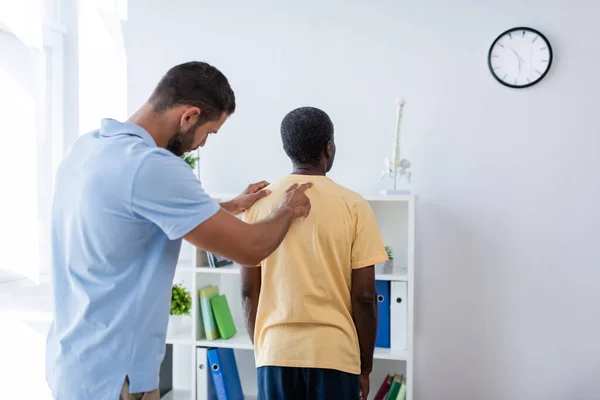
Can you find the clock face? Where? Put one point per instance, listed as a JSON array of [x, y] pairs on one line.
[[520, 57]]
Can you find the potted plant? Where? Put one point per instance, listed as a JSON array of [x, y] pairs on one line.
[[181, 306], [190, 159], [389, 252]]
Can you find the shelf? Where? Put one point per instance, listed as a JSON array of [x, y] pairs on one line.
[[381, 272], [178, 395], [183, 336], [384, 272], [388, 197], [231, 269], [239, 341], [390, 354]]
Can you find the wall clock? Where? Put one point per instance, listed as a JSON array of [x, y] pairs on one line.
[[520, 57]]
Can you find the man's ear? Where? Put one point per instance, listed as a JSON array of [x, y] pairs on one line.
[[189, 117], [330, 149]]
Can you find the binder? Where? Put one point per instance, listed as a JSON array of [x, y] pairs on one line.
[[402, 392], [200, 332], [223, 316], [208, 319], [383, 311], [398, 315], [205, 389], [384, 388], [225, 376], [395, 388]]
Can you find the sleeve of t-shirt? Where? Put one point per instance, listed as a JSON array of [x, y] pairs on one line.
[[167, 193], [367, 248]]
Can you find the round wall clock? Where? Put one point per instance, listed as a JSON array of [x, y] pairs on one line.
[[520, 57]]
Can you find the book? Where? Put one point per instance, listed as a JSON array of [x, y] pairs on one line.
[[398, 315], [384, 388], [224, 371], [205, 389], [402, 392], [383, 312], [215, 261], [200, 332], [394, 388], [223, 317], [210, 327]]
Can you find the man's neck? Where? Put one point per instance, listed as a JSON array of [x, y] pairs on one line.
[[156, 126], [309, 170]]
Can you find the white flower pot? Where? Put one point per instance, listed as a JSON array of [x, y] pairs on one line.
[[176, 324]]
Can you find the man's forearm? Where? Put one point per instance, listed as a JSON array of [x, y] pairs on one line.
[[365, 320], [251, 282], [250, 304], [230, 206]]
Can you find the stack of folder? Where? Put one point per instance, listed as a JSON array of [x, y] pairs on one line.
[[215, 320], [392, 310], [217, 376], [392, 388]]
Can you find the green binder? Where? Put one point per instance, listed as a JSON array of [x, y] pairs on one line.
[[402, 392], [395, 388], [223, 317], [208, 319]]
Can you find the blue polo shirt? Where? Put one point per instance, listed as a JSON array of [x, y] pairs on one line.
[[121, 206]]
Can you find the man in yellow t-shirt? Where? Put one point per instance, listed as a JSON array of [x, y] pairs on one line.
[[311, 306]]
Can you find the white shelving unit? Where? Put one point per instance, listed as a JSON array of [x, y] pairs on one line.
[[396, 218]]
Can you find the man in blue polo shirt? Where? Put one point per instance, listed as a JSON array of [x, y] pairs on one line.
[[123, 201]]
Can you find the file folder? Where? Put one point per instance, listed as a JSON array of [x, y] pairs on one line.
[[383, 311]]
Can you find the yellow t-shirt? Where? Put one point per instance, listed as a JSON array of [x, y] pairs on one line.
[[304, 316]]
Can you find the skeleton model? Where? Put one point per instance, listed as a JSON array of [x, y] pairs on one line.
[[397, 167]]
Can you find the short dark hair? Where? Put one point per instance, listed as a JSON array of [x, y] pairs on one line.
[[197, 84], [305, 132]]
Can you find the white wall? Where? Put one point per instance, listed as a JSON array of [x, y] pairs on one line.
[[508, 278]]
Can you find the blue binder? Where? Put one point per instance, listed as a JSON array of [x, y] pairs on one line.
[[225, 374], [383, 310]]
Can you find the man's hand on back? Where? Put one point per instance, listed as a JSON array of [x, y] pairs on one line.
[[249, 196], [296, 200]]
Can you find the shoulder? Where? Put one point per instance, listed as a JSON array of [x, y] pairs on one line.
[[160, 162], [266, 205], [349, 197]]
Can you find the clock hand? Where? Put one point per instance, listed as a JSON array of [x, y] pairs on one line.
[[518, 56]]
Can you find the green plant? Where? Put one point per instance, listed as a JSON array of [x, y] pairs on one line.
[[190, 159], [181, 301], [389, 252]]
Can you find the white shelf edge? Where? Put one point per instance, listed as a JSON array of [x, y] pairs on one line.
[[390, 354], [241, 341], [177, 394], [234, 269], [182, 337], [388, 197]]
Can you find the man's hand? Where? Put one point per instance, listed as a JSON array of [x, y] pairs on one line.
[[248, 197], [296, 200], [364, 386]]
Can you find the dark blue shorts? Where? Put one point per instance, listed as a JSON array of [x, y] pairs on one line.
[[285, 383]]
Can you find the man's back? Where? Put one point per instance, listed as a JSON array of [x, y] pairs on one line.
[[304, 316]]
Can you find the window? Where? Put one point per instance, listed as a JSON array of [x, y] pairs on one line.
[[31, 121]]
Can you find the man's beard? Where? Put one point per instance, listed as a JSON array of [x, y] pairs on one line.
[[182, 142]]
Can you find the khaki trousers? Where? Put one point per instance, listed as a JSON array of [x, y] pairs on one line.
[[125, 395]]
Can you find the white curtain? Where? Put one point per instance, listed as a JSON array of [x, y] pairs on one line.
[[26, 161], [102, 63]]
